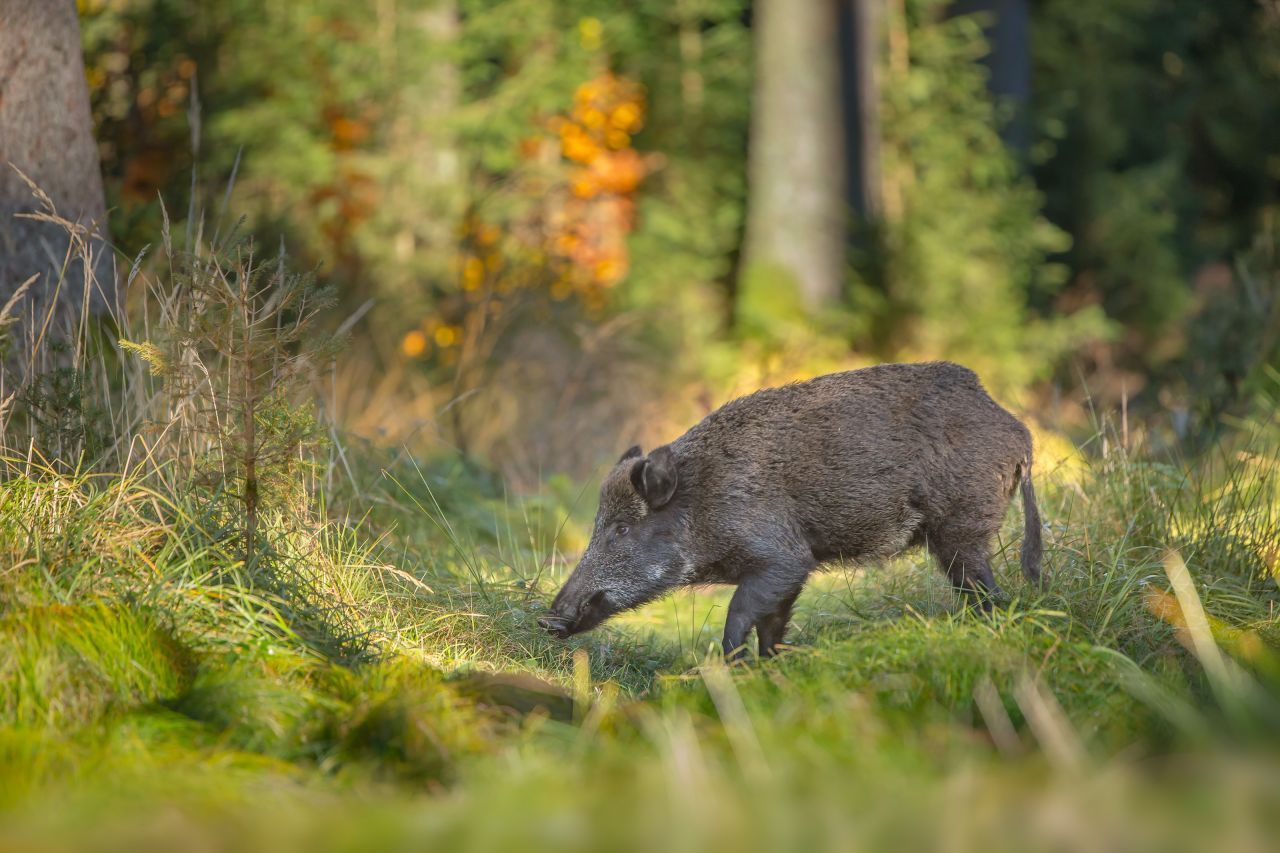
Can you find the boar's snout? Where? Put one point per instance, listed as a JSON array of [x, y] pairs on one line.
[[553, 625], [572, 614]]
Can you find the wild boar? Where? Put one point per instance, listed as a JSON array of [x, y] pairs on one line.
[[854, 466]]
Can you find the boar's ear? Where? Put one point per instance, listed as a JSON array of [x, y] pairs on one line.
[[655, 477], [631, 453]]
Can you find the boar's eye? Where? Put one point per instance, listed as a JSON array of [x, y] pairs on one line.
[[623, 530]]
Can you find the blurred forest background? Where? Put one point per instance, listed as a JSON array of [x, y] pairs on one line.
[[565, 226], [293, 459]]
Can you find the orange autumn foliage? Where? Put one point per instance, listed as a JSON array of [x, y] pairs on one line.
[[583, 167]]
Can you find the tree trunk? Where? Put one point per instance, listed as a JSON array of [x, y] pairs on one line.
[[1007, 26], [860, 25], [46, 132], [796, 223]]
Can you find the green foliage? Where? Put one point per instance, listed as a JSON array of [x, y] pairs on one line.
[[308, 93], [1153, 147], [1233, 345], [970, 250], [693, 60], [58, 410]]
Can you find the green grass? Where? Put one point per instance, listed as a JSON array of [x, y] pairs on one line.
[[153, 693]]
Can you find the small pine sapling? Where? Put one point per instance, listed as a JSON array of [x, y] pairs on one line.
[[236, 349]]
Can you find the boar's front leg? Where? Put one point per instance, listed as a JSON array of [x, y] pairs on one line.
[[763, 600], [772, 628]]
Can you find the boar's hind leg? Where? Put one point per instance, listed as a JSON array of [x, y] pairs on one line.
[[968, 565], [763, 600]]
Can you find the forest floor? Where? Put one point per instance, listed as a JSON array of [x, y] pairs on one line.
[[381, 681]]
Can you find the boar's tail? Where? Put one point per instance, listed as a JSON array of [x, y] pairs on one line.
[[1032, 547]]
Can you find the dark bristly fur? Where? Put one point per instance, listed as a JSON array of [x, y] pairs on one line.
[[852, 466]]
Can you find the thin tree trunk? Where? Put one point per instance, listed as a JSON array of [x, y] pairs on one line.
[[861, 35], [1008, 30], [796, 222], [46, 132]]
